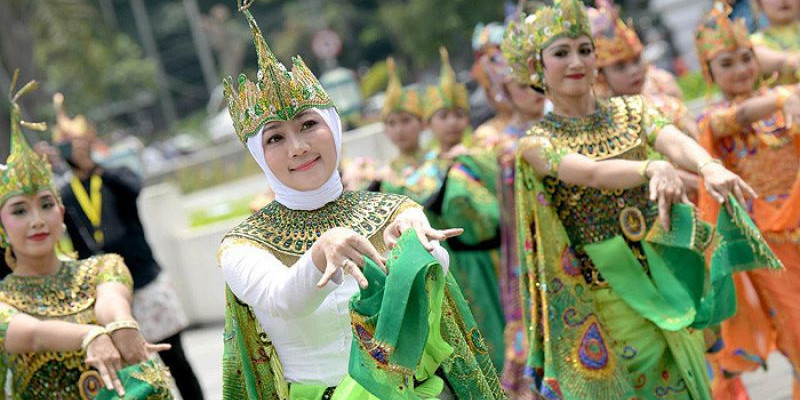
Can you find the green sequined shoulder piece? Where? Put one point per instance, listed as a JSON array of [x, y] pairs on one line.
[[292, 232], [70, 290]]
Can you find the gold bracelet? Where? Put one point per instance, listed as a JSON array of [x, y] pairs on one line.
[[707, 162], [90, 336], [643, 169], [781, 95], [124, 324]]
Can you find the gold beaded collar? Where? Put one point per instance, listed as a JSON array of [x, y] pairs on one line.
[[67, 292], [610, 131], [287, 232]]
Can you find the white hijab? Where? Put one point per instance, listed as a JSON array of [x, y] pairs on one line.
[[311, 199]]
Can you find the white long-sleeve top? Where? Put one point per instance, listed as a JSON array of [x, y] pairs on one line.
[[309, 326]]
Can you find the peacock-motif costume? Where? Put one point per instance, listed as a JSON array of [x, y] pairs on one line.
[[287, 338], [68, 295], [252, 367], [614, 301]]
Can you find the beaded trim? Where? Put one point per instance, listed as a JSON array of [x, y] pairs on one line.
[[70, 290], [292, 232]]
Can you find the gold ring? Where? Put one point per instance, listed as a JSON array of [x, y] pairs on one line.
[[347, 266]]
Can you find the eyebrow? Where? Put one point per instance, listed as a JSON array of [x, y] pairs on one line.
[[270, 127], [17, 203], [304, 113]]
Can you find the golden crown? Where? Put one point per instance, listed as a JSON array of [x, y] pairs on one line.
[[448, 93], [399, 99], [277, 95], [717, 33], [25, 172], [525, 39], [614, 41]]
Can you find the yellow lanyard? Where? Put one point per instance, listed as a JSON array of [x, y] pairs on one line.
[[92, 205]]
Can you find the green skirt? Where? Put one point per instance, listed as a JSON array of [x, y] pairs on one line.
[[661, 364]]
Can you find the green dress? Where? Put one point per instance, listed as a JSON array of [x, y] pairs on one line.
[[69, 295], [615, 305], [251, 368], [461, 193]]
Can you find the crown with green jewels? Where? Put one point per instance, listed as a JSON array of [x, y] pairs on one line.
[[277, 95], [399, 99], [25, 172], [448, 93], [525, 39], [717, 33]]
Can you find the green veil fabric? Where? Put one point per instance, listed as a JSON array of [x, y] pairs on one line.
[[397, 324], [146, 380], [570, 351], [417, 312]]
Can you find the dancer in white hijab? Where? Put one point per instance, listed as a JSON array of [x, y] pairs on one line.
[[292, 267]]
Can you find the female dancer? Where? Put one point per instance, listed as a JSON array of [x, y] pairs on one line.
[[753, 133], [292, 268], [602, 240], [51, 311]]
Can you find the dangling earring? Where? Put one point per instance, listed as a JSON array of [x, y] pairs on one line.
[[11, 261]]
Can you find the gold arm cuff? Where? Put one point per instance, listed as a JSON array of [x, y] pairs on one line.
[[782, 94], [706, 163], [124, 324], [90, 336], [643, 169]]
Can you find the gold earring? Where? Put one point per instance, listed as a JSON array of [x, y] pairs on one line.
[[11, 261]]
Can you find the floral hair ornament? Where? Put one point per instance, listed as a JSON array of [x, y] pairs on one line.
[[717, 33], [525, 39], [614, 41], [277, 95], [399, 99], [25, 172], [448, 93]]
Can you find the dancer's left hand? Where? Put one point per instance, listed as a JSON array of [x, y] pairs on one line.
[[720, 182], [132, 346], [416, 220]]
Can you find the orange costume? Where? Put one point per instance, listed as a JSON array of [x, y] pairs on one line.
[[767, 155]]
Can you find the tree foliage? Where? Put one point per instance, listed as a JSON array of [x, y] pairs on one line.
[[82, 57]]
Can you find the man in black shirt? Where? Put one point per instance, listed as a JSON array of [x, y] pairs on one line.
[[102, 217]]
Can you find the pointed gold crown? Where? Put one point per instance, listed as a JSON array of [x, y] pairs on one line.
[[277, 95], [525, 39], [614, 41], [448, 93], [67, 128], [717, 33], [25, 172], [399, 99]]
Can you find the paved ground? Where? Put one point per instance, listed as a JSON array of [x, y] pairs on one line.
[[204, 349]]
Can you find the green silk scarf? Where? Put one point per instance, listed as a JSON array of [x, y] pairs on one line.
[[396, 321]]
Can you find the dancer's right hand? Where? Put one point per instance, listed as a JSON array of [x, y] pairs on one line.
[[343, 248], [105, 358], [666, 188]]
